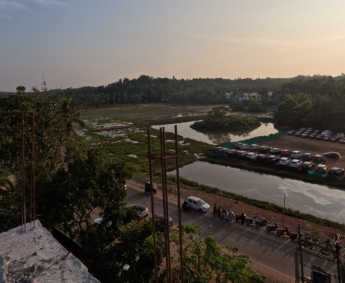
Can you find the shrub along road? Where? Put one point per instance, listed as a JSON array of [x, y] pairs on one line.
[[272, 256]]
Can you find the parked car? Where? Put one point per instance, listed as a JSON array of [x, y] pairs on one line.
[[317, 131], [342, 141], [327, 138], [309, 130], [296, 163], [319, 137], [232, 153], [307, 157], [298, 134], [254, 147], [336, 171], [264, 148], [245, 147], [261, 158], [160, 217], [306, 166], [285, 152], [275, 151], [303, 130], [296, 154], [291, 132], [238, 145], [148, 187], [197, 204], [335, 155], [321, 168], [326, 133], [251, 155], [272, 159], [219, 148], [305, 135], [312, 136], [317, 158], [241, 154], [142, 210], [335, 139], [284, 161], [341, 135]]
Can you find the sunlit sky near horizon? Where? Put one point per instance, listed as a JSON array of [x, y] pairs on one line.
[[96, 42]]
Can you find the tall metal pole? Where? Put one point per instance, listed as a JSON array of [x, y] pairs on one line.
[[152, 209], [179, 202], [166, 217], [284, 211], [166, 227], [300, 252], [23, 178], [33, 187]]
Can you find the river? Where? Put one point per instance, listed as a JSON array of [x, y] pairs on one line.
[[322, 201], [219, 137]]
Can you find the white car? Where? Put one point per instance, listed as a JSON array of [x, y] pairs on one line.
[[197, 204], [254, 147], [245, 146], [326, 133], [296, 154], [296, 163], [251, 155], [284, 161], [142, 210]]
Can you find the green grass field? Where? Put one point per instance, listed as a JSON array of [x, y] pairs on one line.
[[144, 112]]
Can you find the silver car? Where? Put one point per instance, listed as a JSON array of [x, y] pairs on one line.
[[142, 210], [197, 204]]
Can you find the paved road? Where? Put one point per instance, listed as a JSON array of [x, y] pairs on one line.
[[271, 255]]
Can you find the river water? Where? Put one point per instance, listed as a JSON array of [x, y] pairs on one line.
[[322, 201], [219, 137]]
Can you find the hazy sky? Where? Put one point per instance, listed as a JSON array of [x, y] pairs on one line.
[[95, 42]]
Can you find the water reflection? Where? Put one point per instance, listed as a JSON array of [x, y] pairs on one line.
[[219, 137]]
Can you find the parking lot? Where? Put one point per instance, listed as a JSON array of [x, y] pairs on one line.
[[310, 145]]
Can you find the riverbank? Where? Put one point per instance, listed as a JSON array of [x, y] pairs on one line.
[[275, 170], [238, 203]]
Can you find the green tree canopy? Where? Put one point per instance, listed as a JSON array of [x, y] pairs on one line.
[[204, 260]]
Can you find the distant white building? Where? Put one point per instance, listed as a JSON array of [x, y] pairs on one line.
[[245, 95]]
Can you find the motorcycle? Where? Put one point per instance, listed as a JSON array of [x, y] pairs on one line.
[[238, 217], [261, 223], [281, 231], [185, 205], [270, 228], [249, 220]]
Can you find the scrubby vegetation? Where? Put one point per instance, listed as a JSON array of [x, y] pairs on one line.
[[218, 119]]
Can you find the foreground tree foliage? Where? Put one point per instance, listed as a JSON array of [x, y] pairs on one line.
[[218, 119], [204, 260], [51, 134]]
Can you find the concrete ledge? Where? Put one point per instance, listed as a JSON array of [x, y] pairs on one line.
[[35, 256]]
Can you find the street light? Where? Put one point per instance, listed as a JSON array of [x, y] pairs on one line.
[[284, 210]]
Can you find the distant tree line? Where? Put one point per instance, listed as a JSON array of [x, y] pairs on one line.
[[146, 89], [325, 112]]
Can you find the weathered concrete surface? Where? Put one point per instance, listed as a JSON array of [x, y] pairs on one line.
[[35, 256]]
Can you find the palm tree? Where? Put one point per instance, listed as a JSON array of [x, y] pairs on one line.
[[7, 180]]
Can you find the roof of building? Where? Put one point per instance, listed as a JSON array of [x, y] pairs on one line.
[[35, 256]]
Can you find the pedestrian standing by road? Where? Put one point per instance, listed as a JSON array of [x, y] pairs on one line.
[[242, 218], [214, 210], [219, 211], [324, 159]]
